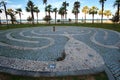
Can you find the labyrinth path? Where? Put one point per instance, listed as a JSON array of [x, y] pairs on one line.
[[36, 51]]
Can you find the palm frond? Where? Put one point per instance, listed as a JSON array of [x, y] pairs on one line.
[[28, 9]]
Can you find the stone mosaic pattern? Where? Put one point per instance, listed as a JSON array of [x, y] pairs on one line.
[[34, 51]]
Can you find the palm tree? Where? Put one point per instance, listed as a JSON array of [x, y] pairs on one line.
[[65, 4], [76, 10], [30, 8], [11, 12], [93, 10], [117, 3], [2, 3], [0, 17], [107, 13], [55, 10], [102, 2], [37, 11], [45, 2], [62, 13], [85, 10], [19, 11], [49, 10]]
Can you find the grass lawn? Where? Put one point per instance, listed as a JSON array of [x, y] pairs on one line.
[[115, 27], [100, 76]]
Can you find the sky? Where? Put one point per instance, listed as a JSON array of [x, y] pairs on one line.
[[58, 3]]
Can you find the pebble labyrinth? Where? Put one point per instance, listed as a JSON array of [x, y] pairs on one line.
[[35, 51]]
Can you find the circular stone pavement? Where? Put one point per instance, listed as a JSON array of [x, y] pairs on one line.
[[35, 51]]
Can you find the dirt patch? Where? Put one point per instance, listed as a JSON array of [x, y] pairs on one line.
[[63, 55]]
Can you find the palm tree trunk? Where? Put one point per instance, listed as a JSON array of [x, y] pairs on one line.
[[55, 17], [61, 18], [49, 16], [92, 18], [6, 13], [45, 10], [20, 17], [66, 17], [118, 10], [85, 17], [102, 12], [37, 17], [0, 21], [65, 14], [12, 19], [32, 17], [75, 17]]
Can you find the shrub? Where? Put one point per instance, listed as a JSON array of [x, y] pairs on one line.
[[29, 19], [47, 18], [58, 20]]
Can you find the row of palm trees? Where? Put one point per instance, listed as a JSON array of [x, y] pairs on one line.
[[62, 11], [94, 10]]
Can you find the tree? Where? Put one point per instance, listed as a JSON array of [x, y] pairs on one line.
[[117, 3], [55, 10], [30, 8], [29, 19], [37, 11], [93, 10], [49, 10], [115, 18], [62, 12], [3, 3], [85, 10], [11, 13], [19, 11], [102, 2], [65, 4], [76, 10], [47, 18], [0, 17], [107, 13], [45, 2]]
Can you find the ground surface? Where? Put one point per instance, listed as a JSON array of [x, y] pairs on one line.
[[36, 50]]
